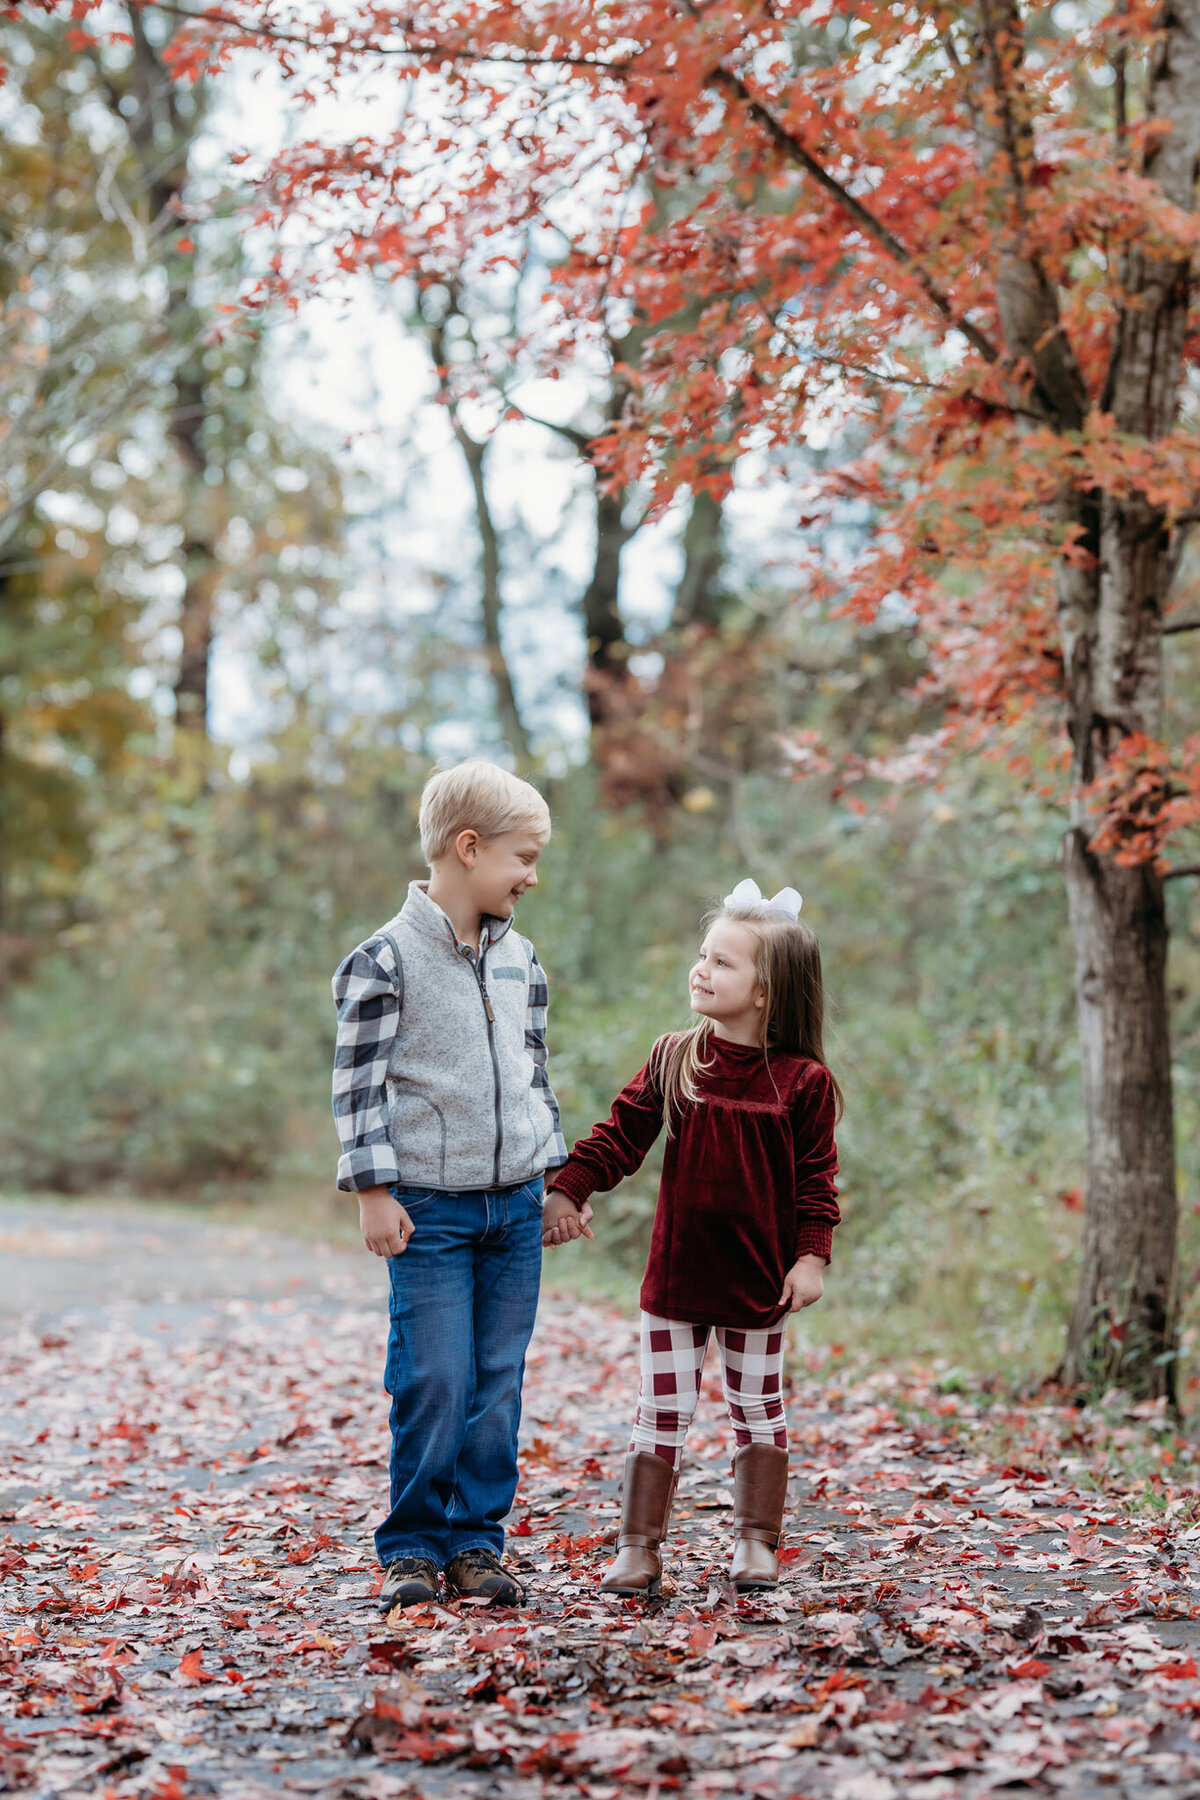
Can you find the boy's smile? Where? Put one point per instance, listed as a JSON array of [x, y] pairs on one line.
[[484, 878], [505, 869]]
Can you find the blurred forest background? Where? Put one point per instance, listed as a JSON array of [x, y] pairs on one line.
[[235, 637]]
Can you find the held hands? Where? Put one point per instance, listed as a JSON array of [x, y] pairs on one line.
[[386, 1227], [563, 1222], [804, 1283]]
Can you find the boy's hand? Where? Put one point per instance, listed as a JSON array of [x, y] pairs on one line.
[[563, 1221], [803, 1283], [386, 1227]]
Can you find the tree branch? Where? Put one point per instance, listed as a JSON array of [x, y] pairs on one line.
[[1141, 385], [874, 228], [917, 385], [365, 47], [1026, 299], [573, 435], [1183, 869], [1121, 92], [14, 509], [951, 48], [1183, 625]]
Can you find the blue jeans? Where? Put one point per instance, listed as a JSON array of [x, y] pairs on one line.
[[463, 1299]]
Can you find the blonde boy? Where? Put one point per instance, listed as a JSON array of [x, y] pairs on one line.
[[448, 1122]]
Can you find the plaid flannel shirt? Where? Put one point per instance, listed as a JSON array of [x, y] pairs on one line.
[[366, 995]]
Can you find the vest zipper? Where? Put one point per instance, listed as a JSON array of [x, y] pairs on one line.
[[491, 1031]]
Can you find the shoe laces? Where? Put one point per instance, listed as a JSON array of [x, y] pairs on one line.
[[412, 1565], [480, 1559]]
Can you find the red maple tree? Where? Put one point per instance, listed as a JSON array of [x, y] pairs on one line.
[[968, 228]]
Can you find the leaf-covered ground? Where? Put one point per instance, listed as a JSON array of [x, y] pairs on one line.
[[187, 1493]]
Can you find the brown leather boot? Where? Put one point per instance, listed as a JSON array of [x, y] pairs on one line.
[[760, 1476], [646, 1496]]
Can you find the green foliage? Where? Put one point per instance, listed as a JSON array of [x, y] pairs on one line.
[[178, 1039], [66, 720], [181, 1032], [947, 967], [131, 1074]]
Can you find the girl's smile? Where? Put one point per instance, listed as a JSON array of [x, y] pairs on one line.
[[724, 983]]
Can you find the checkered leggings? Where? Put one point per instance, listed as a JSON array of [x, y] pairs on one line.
[[672, 1360]]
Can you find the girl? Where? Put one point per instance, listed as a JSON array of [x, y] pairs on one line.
[[743, 1228]]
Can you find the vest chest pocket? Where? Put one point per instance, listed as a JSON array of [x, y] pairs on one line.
[[509, 991]]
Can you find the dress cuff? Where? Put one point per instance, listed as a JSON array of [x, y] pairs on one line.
[[572, 1181], [814, 1239]]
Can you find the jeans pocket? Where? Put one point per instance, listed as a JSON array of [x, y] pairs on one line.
[[410, 1197]]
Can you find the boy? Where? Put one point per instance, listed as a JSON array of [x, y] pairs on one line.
[[447, 1122]]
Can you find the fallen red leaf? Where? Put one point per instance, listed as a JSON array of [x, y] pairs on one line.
[[191, 1671]]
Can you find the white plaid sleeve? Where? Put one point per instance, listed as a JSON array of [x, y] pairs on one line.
[[368, 1008], [535, 1043]]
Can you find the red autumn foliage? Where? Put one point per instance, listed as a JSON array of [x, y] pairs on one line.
[[1145, 798], [825, 215], [816, 210]]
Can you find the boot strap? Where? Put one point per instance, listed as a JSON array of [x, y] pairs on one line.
[[638, 1540], [757, 1534]]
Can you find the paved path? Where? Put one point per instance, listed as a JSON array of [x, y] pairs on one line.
[[71, 1256], [195, 1453]]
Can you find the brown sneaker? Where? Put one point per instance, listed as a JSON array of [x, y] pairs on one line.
[[477, 1575], [410, 1581]]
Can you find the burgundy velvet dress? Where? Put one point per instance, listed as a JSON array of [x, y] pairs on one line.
[[747, 1183]]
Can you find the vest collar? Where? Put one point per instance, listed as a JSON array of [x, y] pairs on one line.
[[426, 916]]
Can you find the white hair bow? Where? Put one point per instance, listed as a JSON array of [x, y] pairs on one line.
[[748, 893]]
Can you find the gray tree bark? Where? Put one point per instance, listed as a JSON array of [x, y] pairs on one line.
[[491, 606], [162, 137], [511, 723], [604, 627], [700, 597], [1110, 611], [1112, 638]]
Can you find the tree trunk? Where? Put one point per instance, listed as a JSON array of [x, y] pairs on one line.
[[607, 649], [1125, 1316], [163, 138], [491, 604], [201, 574], [1111, 611], [511, 723], [607, 674], [1122, 1330], [197, 622], [700, 597]]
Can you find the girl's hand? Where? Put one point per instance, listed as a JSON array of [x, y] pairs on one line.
[[563, 1221], [804, 1283], [386, 1227]]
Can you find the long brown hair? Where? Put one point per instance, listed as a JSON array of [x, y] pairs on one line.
[[787, 961]]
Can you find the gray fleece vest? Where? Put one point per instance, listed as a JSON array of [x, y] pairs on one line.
[[462, 1108]]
